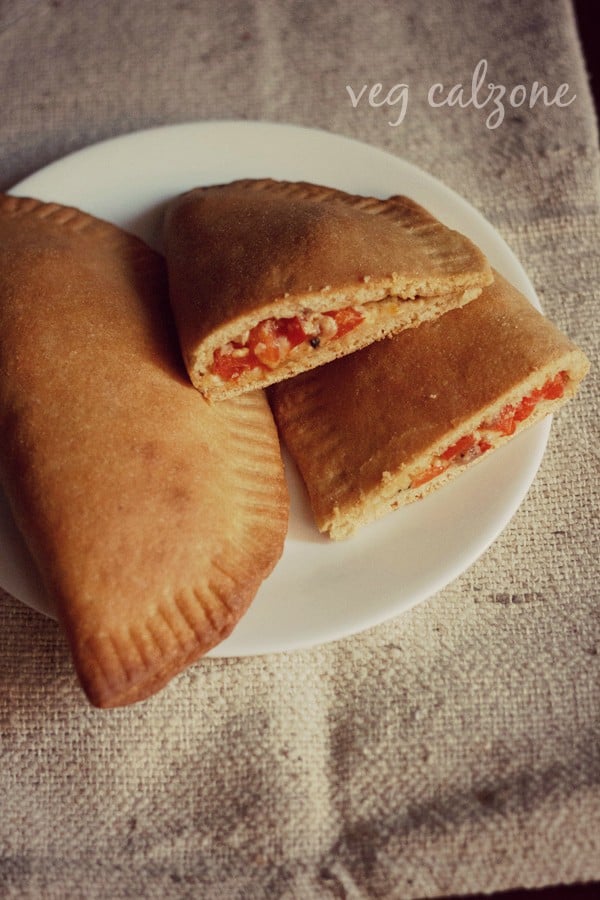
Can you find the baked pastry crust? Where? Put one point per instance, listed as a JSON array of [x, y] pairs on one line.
[[254, 250], [366, 430], [152, 516]]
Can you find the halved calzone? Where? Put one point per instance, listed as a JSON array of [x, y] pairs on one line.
[[269, 279], [387, 425]]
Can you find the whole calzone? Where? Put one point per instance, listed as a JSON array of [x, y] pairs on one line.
[[152, 516]]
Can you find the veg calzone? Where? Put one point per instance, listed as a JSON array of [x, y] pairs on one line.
[[269, 279], [386, 425], [153, 517]]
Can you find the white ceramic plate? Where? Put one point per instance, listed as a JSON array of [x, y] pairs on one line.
[[319, 591]]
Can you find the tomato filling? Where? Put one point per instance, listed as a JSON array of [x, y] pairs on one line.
[[506, 420], [466, 449], [270, 343], [470, 446]]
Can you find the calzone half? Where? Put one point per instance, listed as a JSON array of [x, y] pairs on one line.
[[269, 279], [152, 516], [385, 426]]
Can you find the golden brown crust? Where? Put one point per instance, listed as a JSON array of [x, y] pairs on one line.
[[362, 427], [253, 249], [152, 516]]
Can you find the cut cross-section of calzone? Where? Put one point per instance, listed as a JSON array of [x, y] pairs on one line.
[[384, 426], [269, 279], [152, 516]]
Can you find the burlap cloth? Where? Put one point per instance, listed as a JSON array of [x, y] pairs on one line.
[[453, 750]]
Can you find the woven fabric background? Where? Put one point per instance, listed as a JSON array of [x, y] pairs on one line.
[[455, 749]]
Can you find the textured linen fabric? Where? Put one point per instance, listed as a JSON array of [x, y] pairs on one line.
[[454, 749]]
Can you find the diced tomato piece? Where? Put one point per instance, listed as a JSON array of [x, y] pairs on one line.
[[432, 472], [525, 407], [555, 387], [462, 445], [263, 343], [263, 333], [292, 330], [346, 319], [269, 356], [484, 445], [229, 367], [265, 339], [504, 421]]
